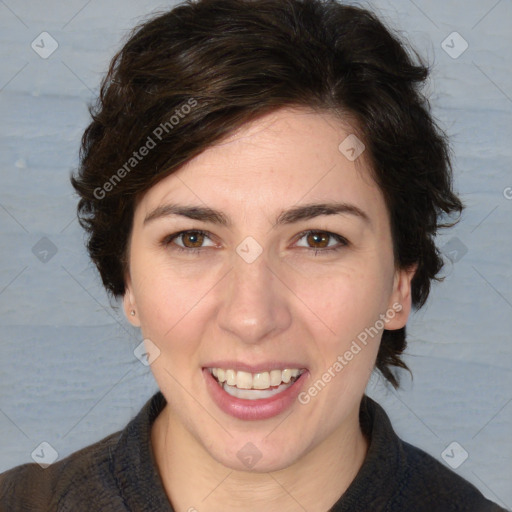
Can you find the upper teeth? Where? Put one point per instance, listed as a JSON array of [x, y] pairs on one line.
[[260, 380]]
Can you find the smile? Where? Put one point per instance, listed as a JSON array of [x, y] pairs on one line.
[[255, 386], [254, 395]]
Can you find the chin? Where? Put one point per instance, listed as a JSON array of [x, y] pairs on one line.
[[255, 454]]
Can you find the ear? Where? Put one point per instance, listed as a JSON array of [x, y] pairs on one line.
[[129, 305], [401, 298]]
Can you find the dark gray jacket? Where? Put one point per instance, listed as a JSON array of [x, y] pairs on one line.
[[118, 474]]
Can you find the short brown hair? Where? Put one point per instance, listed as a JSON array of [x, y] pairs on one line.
[[196, 73]]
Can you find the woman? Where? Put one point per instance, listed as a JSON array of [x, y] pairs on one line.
[[261, 183]]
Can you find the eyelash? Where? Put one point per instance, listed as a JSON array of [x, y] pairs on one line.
[[169, 239]]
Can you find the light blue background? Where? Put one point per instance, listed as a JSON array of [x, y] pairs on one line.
[[68, 375]]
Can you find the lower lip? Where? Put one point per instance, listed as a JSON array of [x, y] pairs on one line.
[[253, 409]]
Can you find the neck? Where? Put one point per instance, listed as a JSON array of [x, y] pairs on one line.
[[194, 481]]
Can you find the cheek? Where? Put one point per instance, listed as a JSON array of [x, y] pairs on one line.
[[350, 304], [345, 300], [153, 297], [171, 304]]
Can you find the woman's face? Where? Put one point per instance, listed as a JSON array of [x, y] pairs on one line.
[[259, 284]]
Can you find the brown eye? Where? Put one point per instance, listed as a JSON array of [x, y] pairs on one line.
[[322, 241], [192, 239], [318, 240]]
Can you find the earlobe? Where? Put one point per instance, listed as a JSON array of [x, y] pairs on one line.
[[129, 306], [401, 298]]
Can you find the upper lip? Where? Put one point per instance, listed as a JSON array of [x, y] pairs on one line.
[[255, 368]]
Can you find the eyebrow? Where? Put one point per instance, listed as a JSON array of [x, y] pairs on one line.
[[290, 216]]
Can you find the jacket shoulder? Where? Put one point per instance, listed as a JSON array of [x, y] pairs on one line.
[[427, 481], [80, 480]]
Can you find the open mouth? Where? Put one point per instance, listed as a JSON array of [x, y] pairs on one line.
[[255, 386], [255, 395]]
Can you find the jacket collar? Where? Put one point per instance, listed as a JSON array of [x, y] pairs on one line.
[[135, 470]]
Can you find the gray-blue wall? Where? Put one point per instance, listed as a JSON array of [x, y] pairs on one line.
[[68, 375]]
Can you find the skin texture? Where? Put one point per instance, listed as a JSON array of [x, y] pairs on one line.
[[287, 303]]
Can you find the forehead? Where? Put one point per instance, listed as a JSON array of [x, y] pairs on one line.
[[285, 158]]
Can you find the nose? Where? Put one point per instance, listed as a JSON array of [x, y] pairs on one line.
[[254, 304]]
